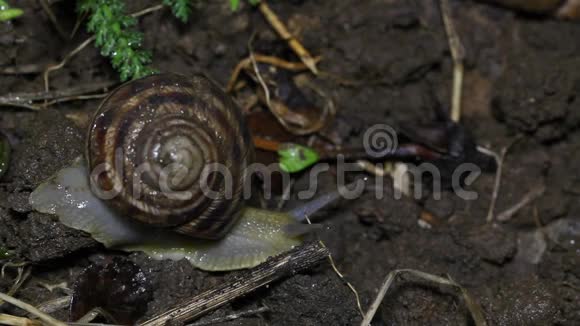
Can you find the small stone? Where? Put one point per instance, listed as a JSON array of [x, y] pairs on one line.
[[219, 49], [492, 244]]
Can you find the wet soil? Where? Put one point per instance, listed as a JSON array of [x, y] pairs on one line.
[[392, 59]]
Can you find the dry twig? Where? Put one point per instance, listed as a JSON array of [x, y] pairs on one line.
[[499, 161], [231, 317], [472, 305], [340, 275], [458, 55], [294, 44], [497, 183], [73, 93], [23, 69], [65, 60], [17, 321], [94, 313], [48, 320], [528, 198], [55, 304], [274, 61], [23, 275], [257, 72]]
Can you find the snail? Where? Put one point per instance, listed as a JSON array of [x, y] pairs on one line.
[[143, 186]]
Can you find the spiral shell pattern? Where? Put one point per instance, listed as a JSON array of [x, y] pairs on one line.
[[149, 142]]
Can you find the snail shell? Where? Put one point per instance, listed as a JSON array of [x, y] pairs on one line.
[[163, 130]]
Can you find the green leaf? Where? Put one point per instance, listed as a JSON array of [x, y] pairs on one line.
[[234, 4], [116, 36], [180, 8], [295, 158], [10, 13]]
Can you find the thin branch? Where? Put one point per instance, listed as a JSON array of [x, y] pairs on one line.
[[65, 60], [147, 10], [257, 72], [21, 105], [55, 304], [340, 275], [458, 55], [48, 320], [23, 69], [498, 174], [26, 98], [281, 29], [97, 312], [77, 98], [21, 278], [527, 199], [472, 305], [6, 319], [497, 181], [231, 317], [90, 324], [271, 60]]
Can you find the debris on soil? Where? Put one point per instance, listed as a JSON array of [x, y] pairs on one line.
[[115, 285], [527, 301], [383, 63]]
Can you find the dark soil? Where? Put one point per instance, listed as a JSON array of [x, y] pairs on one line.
[[522, 80]]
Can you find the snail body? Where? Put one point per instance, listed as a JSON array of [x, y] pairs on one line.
[[138, 188], [163, 126]]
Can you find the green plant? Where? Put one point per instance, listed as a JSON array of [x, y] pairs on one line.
[[295, 158], [181, 8], [7, 13], [116, 37], [235, 4]]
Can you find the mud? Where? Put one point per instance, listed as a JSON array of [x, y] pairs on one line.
[[390, 62]]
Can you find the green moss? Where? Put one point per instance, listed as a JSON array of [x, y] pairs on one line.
[[235, 4], [117, 38], [180, 8]]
